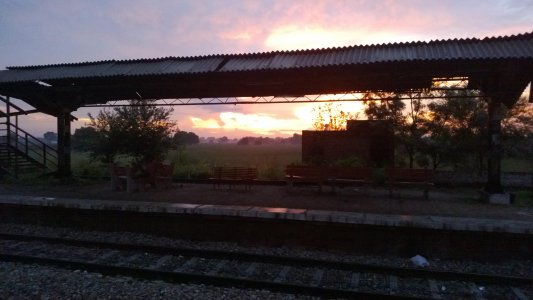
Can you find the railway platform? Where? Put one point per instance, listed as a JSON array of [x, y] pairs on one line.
[[465, 224], [433, 236]]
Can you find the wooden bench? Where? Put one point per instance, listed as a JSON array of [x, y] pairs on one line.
[[341, 176], [409, 177], [305, 174], [234, 175], [322, 175]]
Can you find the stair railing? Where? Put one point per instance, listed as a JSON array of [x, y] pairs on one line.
[[29, 146], [19, 143]]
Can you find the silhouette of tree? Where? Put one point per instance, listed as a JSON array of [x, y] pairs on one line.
[[50, 136], [184, 138], [329, 116], [84, 138], [140, 130]]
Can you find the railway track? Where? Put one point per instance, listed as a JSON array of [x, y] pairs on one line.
[[328, 279]]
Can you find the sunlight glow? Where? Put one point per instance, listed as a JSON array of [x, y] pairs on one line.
[[450, 83], [273, 124], [264, 124], [294, 37], [200, 123]]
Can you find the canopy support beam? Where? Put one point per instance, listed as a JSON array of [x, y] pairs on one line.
[[494, 185], [63, 144]]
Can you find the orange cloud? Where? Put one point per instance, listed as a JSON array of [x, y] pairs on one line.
[[201, 123], [260, 123]]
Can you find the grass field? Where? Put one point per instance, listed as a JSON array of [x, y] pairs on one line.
[[196, 161]]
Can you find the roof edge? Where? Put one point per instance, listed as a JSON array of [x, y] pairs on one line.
[[301, 51]]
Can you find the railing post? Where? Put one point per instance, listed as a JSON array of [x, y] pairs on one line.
[[26, 143], [17, 132], [44, 155], [8, 121]]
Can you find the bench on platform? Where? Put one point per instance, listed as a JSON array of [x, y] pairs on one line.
[[305, 174], [119, 177], [234, 175], [156, 174], [347, 176], [397, 177], [327, 175]]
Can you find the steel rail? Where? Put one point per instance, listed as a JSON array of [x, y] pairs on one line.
[[185, 277], [284, 260]]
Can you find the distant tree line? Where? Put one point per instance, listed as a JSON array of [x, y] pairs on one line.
[[249, 140], [184, 138]]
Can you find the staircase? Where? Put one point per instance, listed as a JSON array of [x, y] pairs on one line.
[[21, 152]]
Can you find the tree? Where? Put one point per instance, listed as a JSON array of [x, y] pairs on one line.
[[184, 138], [50, 136], [245, 141], [412, 129], [139, 130], [387, 106], [330, 117], [517, 129], [84, 138], [223, 140], [457, 130]]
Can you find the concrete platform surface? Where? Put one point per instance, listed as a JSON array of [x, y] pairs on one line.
[[452, 223]]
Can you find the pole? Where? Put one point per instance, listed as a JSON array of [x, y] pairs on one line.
[[63, 145], [495, 148]]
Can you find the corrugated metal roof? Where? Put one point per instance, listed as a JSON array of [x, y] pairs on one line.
[[506, 47]]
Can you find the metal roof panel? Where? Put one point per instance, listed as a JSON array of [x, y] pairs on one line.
[[517, 46]]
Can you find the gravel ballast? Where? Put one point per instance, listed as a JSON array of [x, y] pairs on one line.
[[21, 281], [34, 281]]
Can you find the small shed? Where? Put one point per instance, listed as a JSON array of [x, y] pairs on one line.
[[371, 142]]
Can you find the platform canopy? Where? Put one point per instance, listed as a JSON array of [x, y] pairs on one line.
[[501, 67]]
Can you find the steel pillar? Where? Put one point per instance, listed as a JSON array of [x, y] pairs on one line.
[[493, 185], [63, 145]]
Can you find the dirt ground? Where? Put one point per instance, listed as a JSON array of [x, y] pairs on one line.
[[442, 202]]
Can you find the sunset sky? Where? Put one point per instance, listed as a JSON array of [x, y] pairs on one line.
[[35, 32]]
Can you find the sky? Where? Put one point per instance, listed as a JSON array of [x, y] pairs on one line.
[[35, 32]]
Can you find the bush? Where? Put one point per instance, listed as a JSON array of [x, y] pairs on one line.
[[351, 162], [378, 176]]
